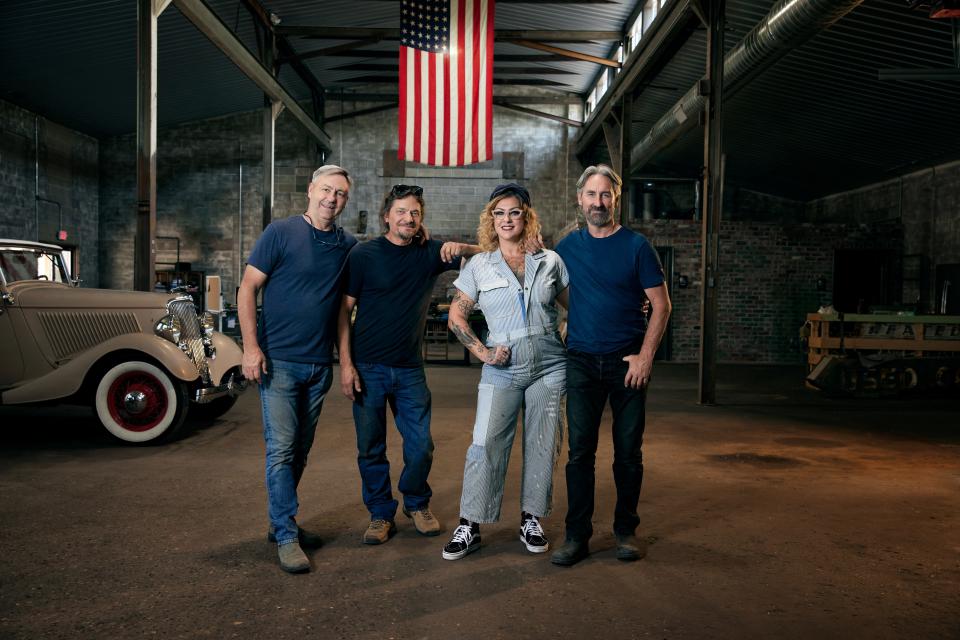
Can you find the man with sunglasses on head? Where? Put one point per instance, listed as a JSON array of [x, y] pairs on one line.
[[610, 349], [298, 263], [390, 281]]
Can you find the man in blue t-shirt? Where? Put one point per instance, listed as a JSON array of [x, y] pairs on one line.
[[389, 281], [298, 263], [610, 349]]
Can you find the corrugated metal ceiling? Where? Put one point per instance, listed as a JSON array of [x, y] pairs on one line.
[[816, 122]]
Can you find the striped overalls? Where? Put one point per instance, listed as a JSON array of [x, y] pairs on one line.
[[534, 380]]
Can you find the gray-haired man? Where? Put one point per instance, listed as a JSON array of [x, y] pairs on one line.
[[298, 263]]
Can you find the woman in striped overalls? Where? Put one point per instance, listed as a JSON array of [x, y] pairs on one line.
[[524, 367]]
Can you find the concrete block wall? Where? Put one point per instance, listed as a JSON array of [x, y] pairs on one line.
[[42, 158], [767, 282], [209, 194]]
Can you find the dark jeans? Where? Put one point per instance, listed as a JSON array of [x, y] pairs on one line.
[[591, 379], [405, 390]]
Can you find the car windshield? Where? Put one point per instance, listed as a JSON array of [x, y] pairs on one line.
[[28, 263]]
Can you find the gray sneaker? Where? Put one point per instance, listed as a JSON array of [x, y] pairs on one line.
[[292, 558], [379, 531]]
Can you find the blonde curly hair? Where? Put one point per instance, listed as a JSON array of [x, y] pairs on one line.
[[487, 234]]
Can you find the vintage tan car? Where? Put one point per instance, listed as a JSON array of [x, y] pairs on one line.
[[140, 359]]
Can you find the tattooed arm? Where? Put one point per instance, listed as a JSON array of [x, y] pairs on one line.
[[459, 323]]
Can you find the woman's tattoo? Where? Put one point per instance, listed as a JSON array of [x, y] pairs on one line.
[[464, 334]]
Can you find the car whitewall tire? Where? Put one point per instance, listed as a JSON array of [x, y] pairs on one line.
[[139, 402]]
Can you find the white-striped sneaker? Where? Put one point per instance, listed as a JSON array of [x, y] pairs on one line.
[[464, 541], [531, 534]]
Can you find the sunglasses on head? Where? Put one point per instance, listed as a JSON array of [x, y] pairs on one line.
[[404, 190]]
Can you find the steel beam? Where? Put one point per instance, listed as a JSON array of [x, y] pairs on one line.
[[673, 26], [534, 112], [712, 203], [500, 35], [559, 98], [575, 55], [211, 26], [362, 112], [144, 244]]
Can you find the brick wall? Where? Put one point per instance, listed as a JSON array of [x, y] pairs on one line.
[[64, 163], [767, 280]]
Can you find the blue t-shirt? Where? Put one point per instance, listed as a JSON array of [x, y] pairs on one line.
[[607, 281], [301, 298], [392, 285]]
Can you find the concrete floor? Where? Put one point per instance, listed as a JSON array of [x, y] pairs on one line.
[[779, 514]]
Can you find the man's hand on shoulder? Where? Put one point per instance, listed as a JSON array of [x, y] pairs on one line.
[[534, 245], [638, 371], [452, 250]]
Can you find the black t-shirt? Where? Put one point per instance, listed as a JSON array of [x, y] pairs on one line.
[[392, 285]]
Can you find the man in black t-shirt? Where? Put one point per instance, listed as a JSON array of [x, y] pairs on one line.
[[389, 281]]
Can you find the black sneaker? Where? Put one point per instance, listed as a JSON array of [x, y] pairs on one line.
[[465, 540], [531, 534]]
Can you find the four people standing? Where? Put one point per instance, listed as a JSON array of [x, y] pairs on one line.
[[388, 283]]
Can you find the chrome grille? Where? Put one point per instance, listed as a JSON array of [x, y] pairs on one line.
[[191, 334], [71, 332]]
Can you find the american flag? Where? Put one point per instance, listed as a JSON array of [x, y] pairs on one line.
[[446, 81]]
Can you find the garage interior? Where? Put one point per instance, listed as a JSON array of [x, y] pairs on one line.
[[822, 172]]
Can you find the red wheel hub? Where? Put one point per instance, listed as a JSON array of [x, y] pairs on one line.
[[137, 401]]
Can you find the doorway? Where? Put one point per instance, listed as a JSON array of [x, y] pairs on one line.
[[863, 279]]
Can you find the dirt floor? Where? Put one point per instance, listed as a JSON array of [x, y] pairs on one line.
[[778, 514]]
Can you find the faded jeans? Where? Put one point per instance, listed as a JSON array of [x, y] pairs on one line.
[[291, 396]]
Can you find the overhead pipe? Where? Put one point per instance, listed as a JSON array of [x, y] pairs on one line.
[[789, 24]]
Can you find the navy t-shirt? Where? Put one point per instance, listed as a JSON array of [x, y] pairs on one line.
[[607, 281], [301, 298], [392, 285]]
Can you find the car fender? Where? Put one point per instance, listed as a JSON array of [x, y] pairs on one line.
[[67, 379], [229, 355]]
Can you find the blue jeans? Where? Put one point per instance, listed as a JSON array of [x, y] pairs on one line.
[[291, 396], [405, 389], [591, 381]]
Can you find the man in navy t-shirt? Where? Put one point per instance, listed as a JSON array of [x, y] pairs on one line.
[[610, 349], [389, 281], [298, 263]]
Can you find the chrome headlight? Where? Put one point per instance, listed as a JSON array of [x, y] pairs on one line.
[[168, 327], [208, 323]]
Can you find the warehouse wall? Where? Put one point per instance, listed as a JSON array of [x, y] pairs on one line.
[[926, 203], [199, 194], [767, 283], [61, 170]]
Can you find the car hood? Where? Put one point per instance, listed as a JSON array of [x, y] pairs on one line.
[[51, 295]]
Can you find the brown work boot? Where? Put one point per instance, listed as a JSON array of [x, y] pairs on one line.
[[292, 558], [379, 531], [424, 520]]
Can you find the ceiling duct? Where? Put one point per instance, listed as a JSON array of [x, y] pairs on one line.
[[789, 24]]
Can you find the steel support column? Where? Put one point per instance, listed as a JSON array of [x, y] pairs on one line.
[[712, 202], [144, 246], [271, 110], [626, 125]]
